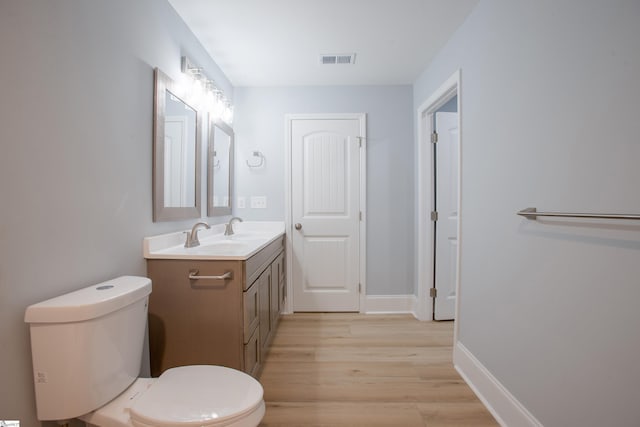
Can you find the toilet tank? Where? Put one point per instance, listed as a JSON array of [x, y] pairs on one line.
[[87, 345]]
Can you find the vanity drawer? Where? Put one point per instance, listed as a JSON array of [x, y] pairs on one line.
[[251, 311], [255, 265], [251, 353]]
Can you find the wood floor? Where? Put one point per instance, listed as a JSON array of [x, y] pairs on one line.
[[366, 370]]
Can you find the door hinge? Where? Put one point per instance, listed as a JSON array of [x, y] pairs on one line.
[[360, 216], [360, 138], [434, 137], [359, 288], [433, 292], [434, 215]]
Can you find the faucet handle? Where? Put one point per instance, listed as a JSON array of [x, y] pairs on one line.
[[192, 238], [228, 229]]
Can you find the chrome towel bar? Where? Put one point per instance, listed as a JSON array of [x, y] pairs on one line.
[[532, 213], [193, 275]]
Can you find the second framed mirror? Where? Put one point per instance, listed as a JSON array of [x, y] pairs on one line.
[[220, 169]]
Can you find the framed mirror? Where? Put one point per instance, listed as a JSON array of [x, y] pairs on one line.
[[220, 169], [177, 138]]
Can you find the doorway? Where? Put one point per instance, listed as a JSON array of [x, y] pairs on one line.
[[325, 212], [439, 182], [445, 221]]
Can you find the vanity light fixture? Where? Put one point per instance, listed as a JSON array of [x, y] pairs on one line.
[[203, 91]]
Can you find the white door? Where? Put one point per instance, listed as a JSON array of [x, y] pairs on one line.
[[446, 229], [325, 210]]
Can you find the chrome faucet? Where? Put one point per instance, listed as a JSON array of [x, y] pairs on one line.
[[228, 229], [192, 238]]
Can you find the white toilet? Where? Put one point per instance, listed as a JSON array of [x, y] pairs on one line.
[[87, 349]]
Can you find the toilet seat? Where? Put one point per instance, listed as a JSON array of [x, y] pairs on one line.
[[198, 395]]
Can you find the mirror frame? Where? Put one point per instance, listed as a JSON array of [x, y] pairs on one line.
[[163, 83], [211, 209]]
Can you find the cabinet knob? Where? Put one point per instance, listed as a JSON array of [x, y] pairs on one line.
[[298, 226]]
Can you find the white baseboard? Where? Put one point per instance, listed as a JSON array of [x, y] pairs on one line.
[[386, 304], [503, 405]]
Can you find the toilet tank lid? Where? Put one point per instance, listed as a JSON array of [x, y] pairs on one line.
[[90, 302]]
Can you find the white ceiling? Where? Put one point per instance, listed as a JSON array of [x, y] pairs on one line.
[[278, 42]]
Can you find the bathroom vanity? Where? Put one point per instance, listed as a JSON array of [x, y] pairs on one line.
[[217, 303]]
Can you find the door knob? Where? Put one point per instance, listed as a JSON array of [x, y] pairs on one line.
[[298, 226]]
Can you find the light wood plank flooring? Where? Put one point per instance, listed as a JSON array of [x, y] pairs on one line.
[[330, 369]]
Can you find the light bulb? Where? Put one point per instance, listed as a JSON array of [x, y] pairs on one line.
[[209, 101], [218, 108], [228, 113]]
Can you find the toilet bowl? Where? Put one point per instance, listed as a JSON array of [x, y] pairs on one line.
[[86, 348], [200, 395]]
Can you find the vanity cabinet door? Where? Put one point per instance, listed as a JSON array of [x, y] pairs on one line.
[[264, 291], [251, 310], [252, 354], [282, 294], [278, 272], [195, 322], [276, 268]]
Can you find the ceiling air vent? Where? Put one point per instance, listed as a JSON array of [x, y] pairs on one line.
[[342, 58]]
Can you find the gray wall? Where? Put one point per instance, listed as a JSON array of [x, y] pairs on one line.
[[260, 124], [550, 105], [75, 168]]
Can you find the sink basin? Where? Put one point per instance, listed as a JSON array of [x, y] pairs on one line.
[[241, 237], [226, 244], [221, 246], [249, 238]]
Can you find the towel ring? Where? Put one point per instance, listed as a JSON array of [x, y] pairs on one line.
[[260, 161]]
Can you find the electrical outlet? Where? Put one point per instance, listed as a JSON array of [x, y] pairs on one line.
[[258, 202], [241, 202]]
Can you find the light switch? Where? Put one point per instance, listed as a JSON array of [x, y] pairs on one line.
[[241, 202], [258, 202]]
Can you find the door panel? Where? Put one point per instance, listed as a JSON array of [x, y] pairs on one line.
[[330, 255], [446, 252], [325, 175], [325, 161]]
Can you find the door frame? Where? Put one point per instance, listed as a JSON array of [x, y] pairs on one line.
[[362, 119], [446, 91]]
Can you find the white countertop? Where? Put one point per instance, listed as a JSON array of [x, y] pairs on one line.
[[249, 238]]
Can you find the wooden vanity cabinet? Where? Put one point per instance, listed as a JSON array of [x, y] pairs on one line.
[[215, 322]]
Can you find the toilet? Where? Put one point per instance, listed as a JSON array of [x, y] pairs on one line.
[[87, 349]]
